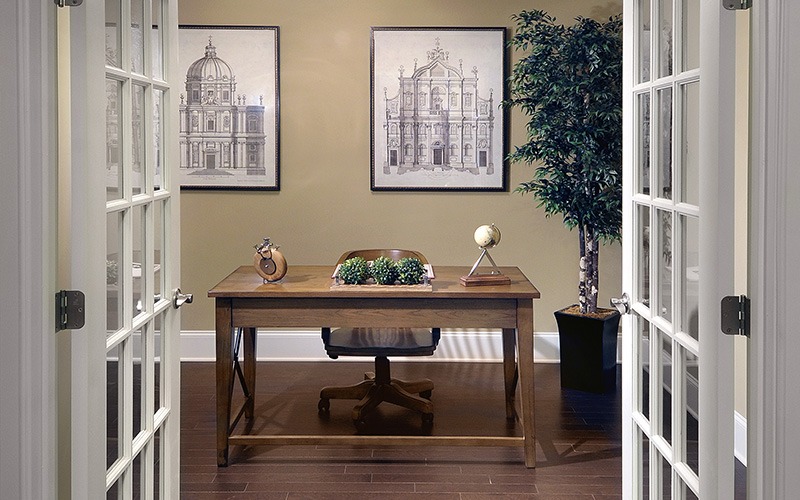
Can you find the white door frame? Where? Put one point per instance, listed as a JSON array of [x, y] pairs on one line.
[[27, 270], [773, 413]]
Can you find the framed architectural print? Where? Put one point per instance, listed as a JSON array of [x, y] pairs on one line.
[[437, 123], [229, 107]]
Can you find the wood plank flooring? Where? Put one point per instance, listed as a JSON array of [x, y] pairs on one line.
[[578, 439]]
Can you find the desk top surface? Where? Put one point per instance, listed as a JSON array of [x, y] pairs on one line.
[[315, 282]]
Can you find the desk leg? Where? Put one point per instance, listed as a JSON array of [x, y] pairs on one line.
[[224, 377], [525, 339], [510, 373], [250, 370]]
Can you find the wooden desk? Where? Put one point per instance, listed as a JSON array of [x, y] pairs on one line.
[[305, 299]]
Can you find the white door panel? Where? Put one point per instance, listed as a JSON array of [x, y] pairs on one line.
[[124, 233], [677, 249]]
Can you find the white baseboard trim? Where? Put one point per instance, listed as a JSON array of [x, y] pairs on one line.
[[740, 437], [306, 345]]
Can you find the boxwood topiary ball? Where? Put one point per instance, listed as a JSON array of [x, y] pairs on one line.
[[410, 271], [354, 271], [384, 270]]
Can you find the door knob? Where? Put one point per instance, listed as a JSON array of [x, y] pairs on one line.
[[622, 304], [179, 298]]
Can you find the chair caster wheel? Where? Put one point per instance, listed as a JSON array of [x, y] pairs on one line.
[[324, 405], [361, 425], [425, 394], [427, 418]]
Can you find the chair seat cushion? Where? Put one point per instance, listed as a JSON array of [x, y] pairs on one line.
[[381, 341]]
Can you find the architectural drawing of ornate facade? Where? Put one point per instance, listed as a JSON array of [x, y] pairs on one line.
[[437, 119], [219, 131]]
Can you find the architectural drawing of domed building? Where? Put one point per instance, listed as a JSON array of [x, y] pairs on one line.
[[219, 131], [437, 119]]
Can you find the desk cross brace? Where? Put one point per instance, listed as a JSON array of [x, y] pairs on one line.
[[237, 369]]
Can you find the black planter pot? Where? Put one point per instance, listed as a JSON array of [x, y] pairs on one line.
[[588, 351]]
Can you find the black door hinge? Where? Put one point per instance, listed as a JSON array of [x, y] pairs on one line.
[[70, 310], [736, 315]]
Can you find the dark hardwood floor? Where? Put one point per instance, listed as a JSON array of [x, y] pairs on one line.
[[578, 438]]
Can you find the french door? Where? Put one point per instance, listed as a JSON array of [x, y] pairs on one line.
[[677, 249], [124, 249]]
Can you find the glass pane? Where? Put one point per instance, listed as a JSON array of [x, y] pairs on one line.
[[664, 38], [691, 34], [114, 400], [157, 464], [138, 477], [137, 36], [114, 274], [158, 247], [664, 151], [690, 134], [666, 477], [113, 140], [644, 466], [113, 33], [158, 146], [139, 267], [664, 267], [643, 250], [157, 39], [688, 494], [643, 146], [692, 411], [690, 274], [644, 366], [139, 378], [644, 44], [114, 492], [158, 350], [666, 386], [138, 144]]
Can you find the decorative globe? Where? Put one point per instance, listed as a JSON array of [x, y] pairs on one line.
[[487, 236]]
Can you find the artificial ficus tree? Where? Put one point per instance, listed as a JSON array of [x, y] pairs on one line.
[[569, 84]]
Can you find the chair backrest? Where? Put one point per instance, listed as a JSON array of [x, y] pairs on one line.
[[374, 253]]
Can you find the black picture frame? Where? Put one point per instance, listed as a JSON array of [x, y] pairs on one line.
[[437, 123], [229, 107]]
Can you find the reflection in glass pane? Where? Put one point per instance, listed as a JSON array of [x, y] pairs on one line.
[[138, 477], [137, 36], [664, 178], [141, 272], [114, 272], [158, 43], [114, 393], [664, 259], [643, 249], [692, 411], [643, 33], [644, 466], [690, 133], [114, 33], [139, 377], [138, 141], [158, 146], [157, 465], [158, 247], [643, 146], [691, 34], [666, 386], [690, 275], [644, 366], [113, 140], [666, 477], [158, 350], [664, 38]]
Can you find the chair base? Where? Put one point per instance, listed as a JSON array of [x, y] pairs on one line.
[[380, 387]]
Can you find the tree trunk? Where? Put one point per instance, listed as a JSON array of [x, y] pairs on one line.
[[582, 271]]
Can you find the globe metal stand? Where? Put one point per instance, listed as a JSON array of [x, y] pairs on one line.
[[495, 276]]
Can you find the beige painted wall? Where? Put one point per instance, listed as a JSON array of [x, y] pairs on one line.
[[325, 205]]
